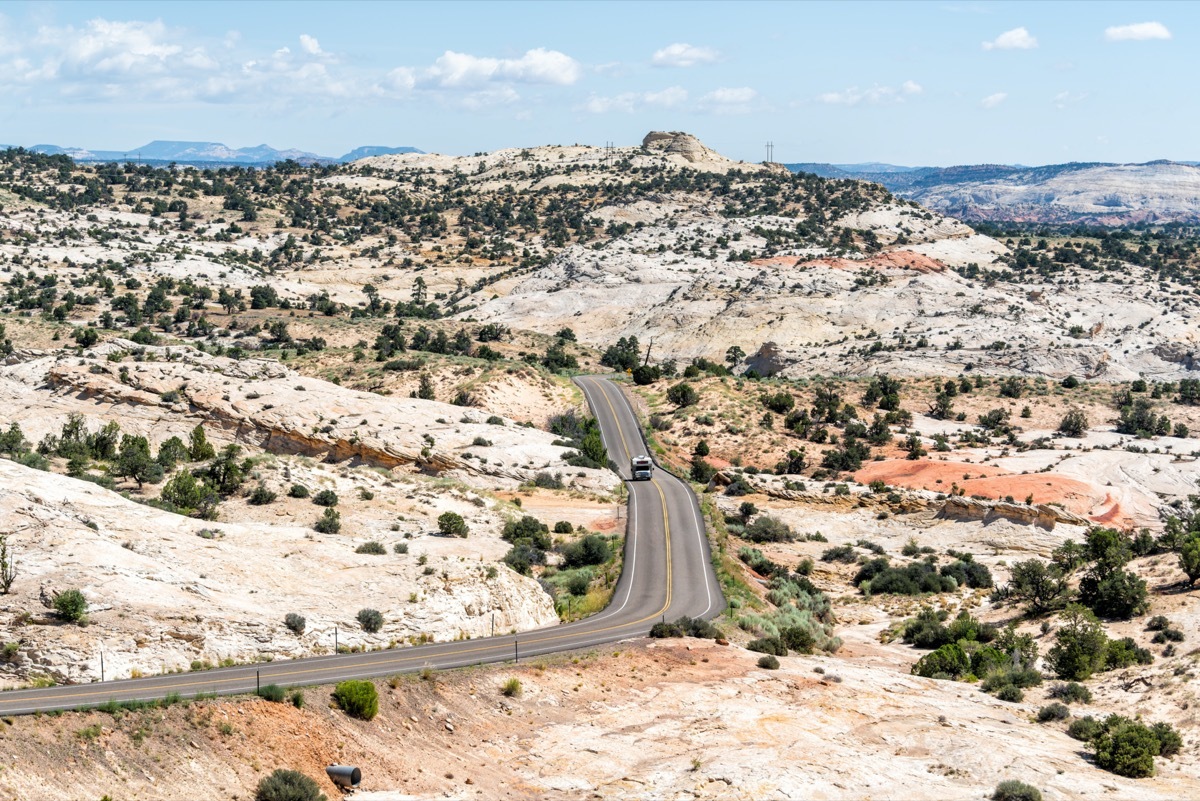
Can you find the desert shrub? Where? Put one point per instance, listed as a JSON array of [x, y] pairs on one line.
[[768, 645], [1010, 676], [1158, 623], [400, 547], [1125, 652], [578, 583], [1118, 594], [261, 496], [329, 523], [969, 574], [683, 394], [272, 692], [1054, 711], [1013, 790], [563, 527], [295, 623], [839, 553], [546, 480], [325, 497], [768, 662], [527, 528], [297, 699], [511, 688], [370, 619], [1011, 693], [1127, 749], [685, 627], [298, 491], [1071, 693], [1169, 741], [523, 555], [590, 550], [1080, 645], [1085, 729], [1073, 424], [948, 660], [451, 524], [70, 605], [288, 785], [372, 547], [358, 699], [915, 578]]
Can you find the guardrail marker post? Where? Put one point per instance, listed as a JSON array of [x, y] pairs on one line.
[[516, 652], [101, 664], [257, 683], [335, 639], [493, 623]]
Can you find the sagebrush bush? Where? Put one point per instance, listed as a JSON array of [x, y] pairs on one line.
[[1054, 711], [295, 623], [1013, 790], [371, 547], [70, 605], [298, 491], [768, 662], [325, 497], [1011, 692], [329, 523], [272, 692], [1071, 692], [288, 785], [370, 619], [358, 699]]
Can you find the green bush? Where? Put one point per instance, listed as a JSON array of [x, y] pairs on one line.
[[769, 529], [1085, 729], [261, 496], [591, 550], [563, 527], [295, 623], [371, 547], [370, 619], [70, 605], [1011, 692], [1080, 646], [772, 646], [768, 662], [1013, 790], [298, 491], [1169, 741], [325, 497], [329, 523], [358, 699], [512, 688], [288, 785], [1125, 652], [685, 627], [272, 692], [948, 660], [1127, 749], [1071, 693], [1054, 711]]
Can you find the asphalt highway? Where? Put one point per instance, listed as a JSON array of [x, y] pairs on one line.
[[667, 573]]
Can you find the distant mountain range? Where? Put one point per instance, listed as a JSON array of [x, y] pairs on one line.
[[1092, 193], [213, 153]]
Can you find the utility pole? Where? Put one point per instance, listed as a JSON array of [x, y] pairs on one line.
[[770, 152]]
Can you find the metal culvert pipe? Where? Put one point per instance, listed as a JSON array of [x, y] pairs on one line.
[[344, 775]]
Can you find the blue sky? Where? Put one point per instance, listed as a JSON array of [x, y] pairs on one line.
[[935, 83]]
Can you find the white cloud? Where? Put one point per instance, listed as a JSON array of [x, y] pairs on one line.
[[310, 45], [1137, 32], [873, 95], [1064, 99], [629, 102], [730, 100], [456, 70], [1016, 39], [993, 100], [682, 54]]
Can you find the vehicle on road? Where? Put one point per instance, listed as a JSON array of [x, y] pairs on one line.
[[642, 468]]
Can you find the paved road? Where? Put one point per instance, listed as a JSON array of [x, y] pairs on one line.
[[667, 573]]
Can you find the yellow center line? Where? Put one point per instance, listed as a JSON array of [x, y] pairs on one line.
[[533, 639], [624, 444]]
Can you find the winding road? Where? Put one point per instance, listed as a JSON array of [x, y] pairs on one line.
[[667, 573]]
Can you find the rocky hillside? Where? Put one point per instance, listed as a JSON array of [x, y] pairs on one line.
[[1095, 194]]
